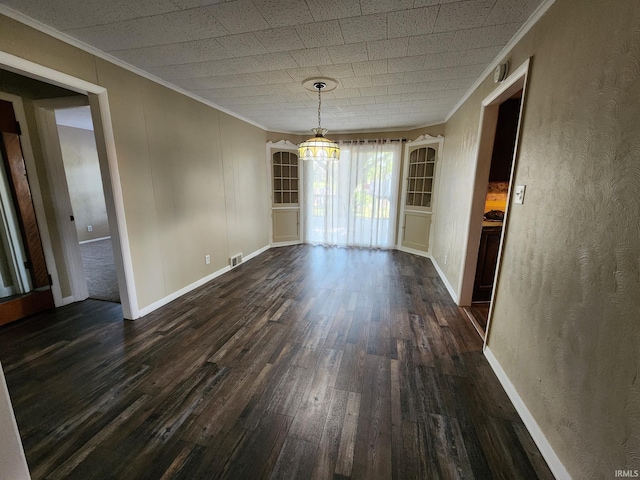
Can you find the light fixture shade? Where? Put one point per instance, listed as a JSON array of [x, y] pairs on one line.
[[319, 147]]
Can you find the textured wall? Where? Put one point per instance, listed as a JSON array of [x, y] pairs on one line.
[[566, 324], [82, 172]]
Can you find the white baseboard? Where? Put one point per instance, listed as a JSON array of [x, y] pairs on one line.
[[94, 240], [413, 251], [444, 279], [170, 298], [256, 253], [286, 244], [556, 466]]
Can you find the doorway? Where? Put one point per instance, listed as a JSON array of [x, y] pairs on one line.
[[497, 152], [82, 183], [97, 99], [495, 206]]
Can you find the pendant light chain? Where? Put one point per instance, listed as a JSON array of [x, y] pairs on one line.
[[319, 147], [319, 102]]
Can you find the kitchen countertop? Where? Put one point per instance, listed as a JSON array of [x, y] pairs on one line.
[[486, 223]]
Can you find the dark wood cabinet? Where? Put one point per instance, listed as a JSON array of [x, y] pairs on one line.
[[487, 261]]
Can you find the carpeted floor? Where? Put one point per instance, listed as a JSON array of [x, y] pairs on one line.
[[99, 267]]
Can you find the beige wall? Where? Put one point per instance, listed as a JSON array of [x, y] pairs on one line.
[[566, 326], [193, 179], [13, 464], [82, 172]]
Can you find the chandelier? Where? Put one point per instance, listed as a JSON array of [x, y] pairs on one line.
[[319, 147]]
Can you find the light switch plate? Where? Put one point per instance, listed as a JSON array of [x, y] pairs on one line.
[[518, 196]]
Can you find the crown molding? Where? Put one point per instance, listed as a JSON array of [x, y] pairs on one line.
[[533, 19], [63, 37]]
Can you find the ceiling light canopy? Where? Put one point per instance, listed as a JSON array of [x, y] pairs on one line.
[[319, 147]]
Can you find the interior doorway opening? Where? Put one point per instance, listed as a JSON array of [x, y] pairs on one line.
[[495, 205], [96, 97], [83, 181], [500, 121]]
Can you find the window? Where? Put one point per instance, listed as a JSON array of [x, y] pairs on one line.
[[352, 201], [420, 178], [285, 178]]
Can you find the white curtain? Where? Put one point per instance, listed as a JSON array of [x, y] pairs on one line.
[[353, 201]]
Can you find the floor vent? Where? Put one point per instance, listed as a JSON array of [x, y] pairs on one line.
[[235, 260]]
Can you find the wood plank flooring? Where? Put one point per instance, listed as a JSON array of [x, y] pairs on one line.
[[305, 362]]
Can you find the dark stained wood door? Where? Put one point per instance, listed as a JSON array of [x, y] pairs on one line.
[[13, 163]]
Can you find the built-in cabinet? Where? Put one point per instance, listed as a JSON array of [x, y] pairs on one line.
[[286, 190], [418, 190], [487, 262]]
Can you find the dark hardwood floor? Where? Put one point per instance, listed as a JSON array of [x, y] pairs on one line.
[[304, 362], [478, 314]]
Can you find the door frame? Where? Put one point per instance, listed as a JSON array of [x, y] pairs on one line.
[[422, 140], [16, 250], [285, 146], [34, 186], [54, 166], [488, 121], [105, 143]]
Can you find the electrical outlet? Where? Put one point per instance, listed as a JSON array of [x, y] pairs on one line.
[[89, 228], [207, 259], [446, 257]]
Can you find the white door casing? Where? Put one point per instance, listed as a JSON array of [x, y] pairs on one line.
[[54, 165]]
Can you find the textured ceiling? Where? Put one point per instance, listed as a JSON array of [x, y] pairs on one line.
[[399, 63]]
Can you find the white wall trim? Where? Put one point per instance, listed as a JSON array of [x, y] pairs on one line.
[[286, 244], [114, 199], [198, 283], [54, 166], [177, 294], [413, 251], [260, 251], [556, 466], [533, 19], [94, 240], [445, 280], [63, 37]]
